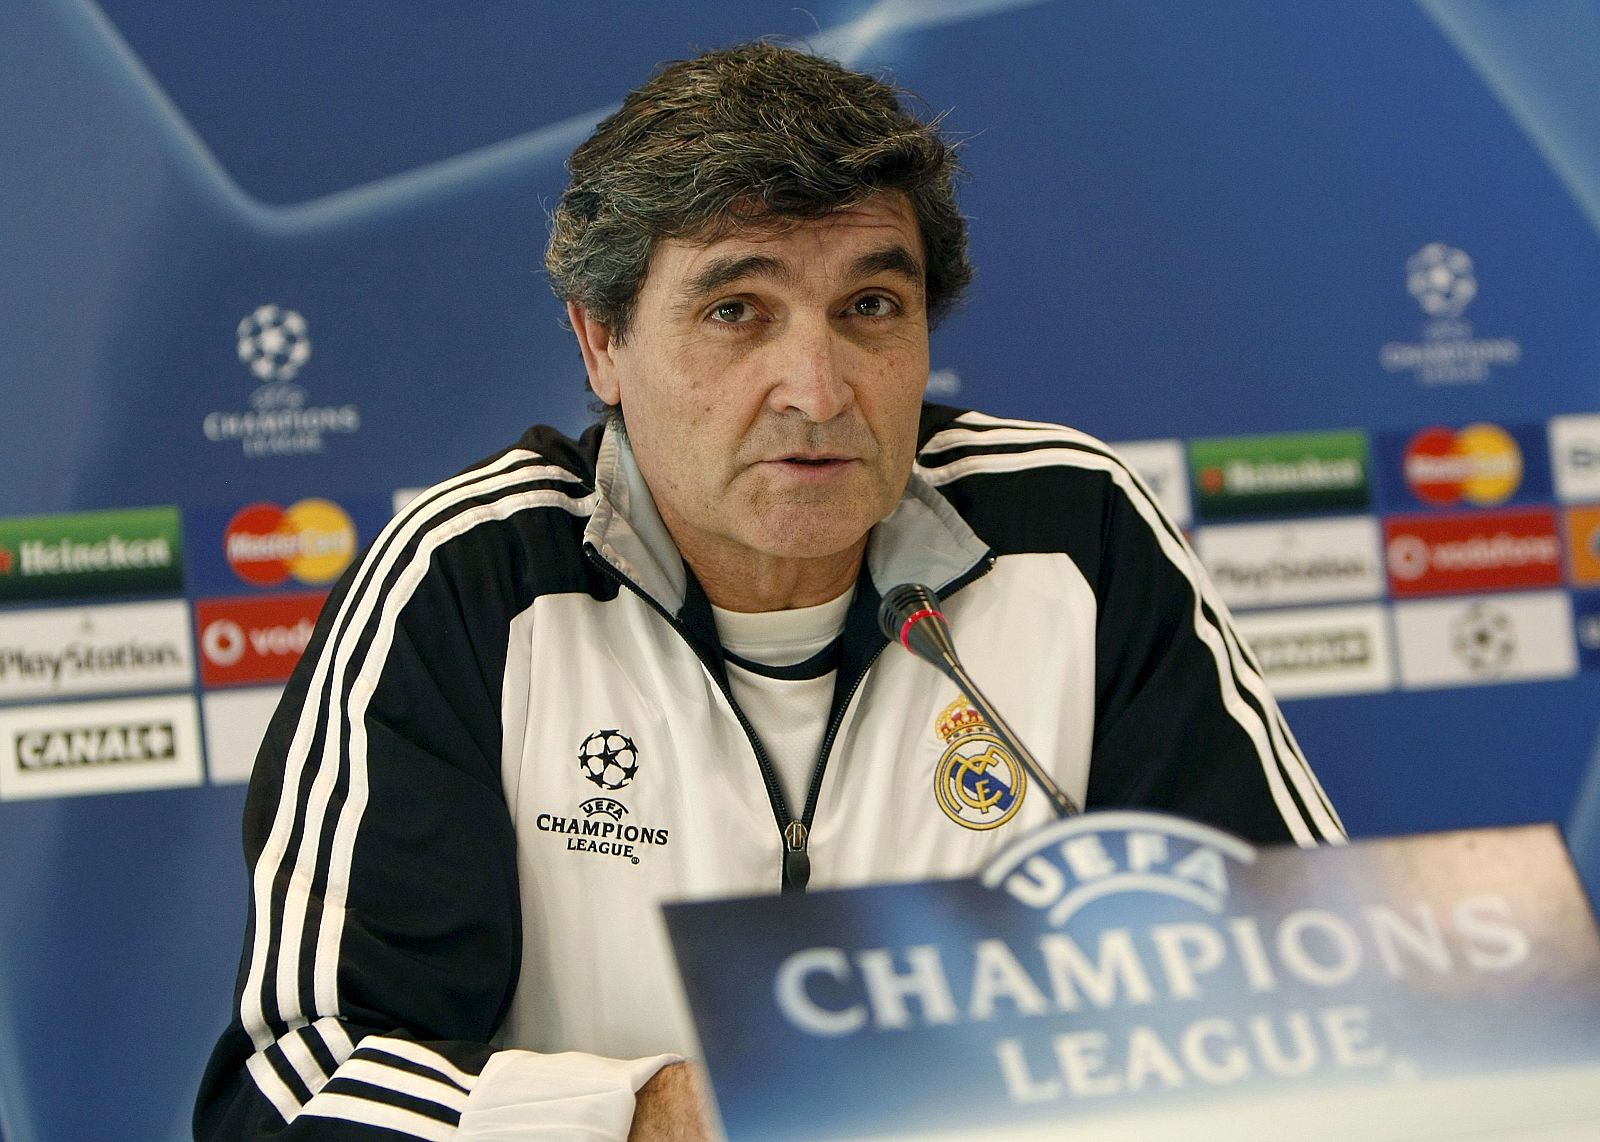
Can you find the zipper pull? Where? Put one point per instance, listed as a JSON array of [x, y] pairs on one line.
[[796, 861]]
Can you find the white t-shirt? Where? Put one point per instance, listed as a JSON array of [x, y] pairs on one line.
[[781, 668]]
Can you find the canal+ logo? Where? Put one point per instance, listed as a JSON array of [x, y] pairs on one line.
[[1064, 867]]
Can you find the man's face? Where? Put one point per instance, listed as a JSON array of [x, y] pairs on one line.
[[771, 383]]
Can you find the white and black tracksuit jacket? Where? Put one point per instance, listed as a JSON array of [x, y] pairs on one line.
[[443, 896]]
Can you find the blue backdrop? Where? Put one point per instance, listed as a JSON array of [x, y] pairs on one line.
[[285, 257]]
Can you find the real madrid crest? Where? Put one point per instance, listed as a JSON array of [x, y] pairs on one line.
[[977, 782]]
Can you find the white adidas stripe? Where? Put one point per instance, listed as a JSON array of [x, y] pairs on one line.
[[348, 1108]]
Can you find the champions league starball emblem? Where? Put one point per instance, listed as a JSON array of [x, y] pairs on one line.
[[608, 758], [1440, 277], [274, 343]]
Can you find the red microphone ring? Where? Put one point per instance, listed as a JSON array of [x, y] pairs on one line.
[[926, 612]]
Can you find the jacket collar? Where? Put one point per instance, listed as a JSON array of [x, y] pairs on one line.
[[923, 540]]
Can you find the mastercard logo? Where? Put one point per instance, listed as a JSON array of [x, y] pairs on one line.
[[311, 541], [1480, 465]]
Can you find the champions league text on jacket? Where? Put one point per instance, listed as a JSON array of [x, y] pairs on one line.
[[1333, 963]]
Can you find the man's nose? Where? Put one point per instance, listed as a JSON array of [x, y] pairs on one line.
[[811, 372]]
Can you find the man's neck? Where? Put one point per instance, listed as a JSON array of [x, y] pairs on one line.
[[774, 584]]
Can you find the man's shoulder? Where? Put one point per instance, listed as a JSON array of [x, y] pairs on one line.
[[969, 441], [1030, 486], [536, 494]]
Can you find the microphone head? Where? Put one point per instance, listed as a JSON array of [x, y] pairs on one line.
[[910, 615], [903, 603]]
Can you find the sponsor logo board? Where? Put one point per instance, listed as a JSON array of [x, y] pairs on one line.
[[72, 748], [1479, 465], [1316, 651], [249, 641], [137, 551], [1284, 474], [311, 541], [1575, 457], [69, 651], [266, 546], [235, 722], [1160, 464], [1308, 561], [1472, 640], [1483, 551]]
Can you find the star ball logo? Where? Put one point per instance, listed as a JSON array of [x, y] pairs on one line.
[[274, 343], [1484, 638], [1440, 278], [313, 541], [609, 759]]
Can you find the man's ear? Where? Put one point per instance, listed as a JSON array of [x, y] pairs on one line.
[[597, 345]]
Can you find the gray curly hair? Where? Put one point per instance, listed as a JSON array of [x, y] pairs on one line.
[[753, 135]]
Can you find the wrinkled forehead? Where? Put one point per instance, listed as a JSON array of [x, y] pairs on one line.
[[879, 232]]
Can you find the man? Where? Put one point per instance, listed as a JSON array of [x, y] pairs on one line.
[[589, 676]]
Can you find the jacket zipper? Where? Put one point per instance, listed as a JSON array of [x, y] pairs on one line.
[[795, 832], [978, 571]]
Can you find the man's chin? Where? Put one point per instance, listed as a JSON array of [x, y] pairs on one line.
[[812, 532]]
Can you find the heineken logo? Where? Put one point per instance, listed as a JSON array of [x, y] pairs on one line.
[[1287, 473], [114, 553], [1308, 473], [91, 553]]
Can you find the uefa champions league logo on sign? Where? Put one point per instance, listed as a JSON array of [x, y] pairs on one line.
[[273, 343], [1440, 278]]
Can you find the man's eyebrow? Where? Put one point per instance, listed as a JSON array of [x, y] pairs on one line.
[[895, 259], [721, 272]]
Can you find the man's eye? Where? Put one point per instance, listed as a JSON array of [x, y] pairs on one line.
[[732, 312], [873, 305]]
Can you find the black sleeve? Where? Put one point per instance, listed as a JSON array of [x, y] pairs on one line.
[[384, 933], [1184, 720]]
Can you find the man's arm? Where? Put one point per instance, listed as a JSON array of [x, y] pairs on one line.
[[384, 939], [673, 1107], [1184, 720]]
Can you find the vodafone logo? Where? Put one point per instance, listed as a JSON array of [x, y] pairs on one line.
[[1484, 551], [1479, 465], [249, 641], [223, 642], [1409, 558], [312, 541]]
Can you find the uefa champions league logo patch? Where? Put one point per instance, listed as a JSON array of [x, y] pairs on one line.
[[977, 782], [609, 759]]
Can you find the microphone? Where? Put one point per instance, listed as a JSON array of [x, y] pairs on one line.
[[909, 614]]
